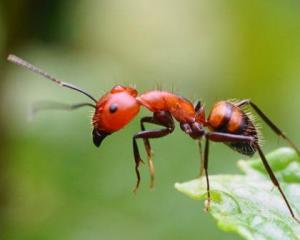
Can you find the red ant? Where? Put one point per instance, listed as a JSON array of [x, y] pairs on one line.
[[228, 123]]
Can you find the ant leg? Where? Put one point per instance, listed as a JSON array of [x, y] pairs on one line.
[[223, 137], [227, 137], [274, 180], [49, 105], [206, 150], [160, 118], [138, 160], [156, 119], [219, 137], [268, 122], [148, 150], [201, 158], [146, 141]]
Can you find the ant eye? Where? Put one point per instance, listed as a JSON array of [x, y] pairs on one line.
[[113, 108]]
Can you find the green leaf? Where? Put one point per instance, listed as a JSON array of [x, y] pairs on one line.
[[249, 204]]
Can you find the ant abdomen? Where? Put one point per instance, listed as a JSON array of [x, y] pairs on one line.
[[227, 117]]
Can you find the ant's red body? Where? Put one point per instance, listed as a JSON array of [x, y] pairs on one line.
[[228, 122]]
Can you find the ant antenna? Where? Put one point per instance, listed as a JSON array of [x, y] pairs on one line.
[[19, 61]]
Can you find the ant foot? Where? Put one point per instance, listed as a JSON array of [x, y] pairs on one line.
[[207, 205], [136, 186], [134, 190], [297, 220], [152, 183]]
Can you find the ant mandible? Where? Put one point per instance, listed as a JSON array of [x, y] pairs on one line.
[[228, 122]]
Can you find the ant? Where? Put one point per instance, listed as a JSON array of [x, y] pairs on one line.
[[228, 122]]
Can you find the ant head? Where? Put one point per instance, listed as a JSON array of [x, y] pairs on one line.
[[114, 111]]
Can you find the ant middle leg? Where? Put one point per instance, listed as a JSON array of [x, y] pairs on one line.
[[161, 118], [219, 137], [201, 170], [268, 122], [205, 166]]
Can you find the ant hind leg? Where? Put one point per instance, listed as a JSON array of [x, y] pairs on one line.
[[275, 181], [268, 122]]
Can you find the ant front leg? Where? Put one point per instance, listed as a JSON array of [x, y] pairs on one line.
[[148, 149], [161, 118], [138, 160], [267, 121]]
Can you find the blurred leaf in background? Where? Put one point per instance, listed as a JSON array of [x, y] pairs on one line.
[[54, 183]]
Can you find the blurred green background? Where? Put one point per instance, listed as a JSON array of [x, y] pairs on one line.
[[54, 184]]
